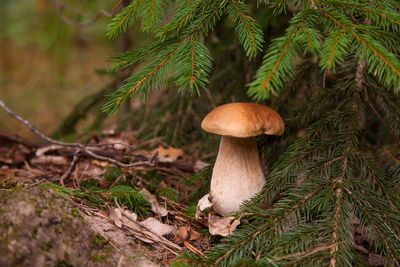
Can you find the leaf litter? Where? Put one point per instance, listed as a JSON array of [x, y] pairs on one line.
[[165, 232]]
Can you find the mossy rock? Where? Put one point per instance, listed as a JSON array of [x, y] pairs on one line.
[[40, 228]]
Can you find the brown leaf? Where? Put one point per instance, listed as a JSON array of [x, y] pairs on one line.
[[155, 206], [116, 216], [222, 225], [194, 235], [182, 234], [168, 154], [203, 204], [157, 227], [49, 159]]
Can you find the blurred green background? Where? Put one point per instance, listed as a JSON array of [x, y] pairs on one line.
[[46, 65]]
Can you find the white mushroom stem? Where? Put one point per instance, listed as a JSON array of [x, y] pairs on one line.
[[237, 174]]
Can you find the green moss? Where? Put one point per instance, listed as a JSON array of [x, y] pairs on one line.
[[75, 213], [38, 210], [64, 263], [98, 241], [98, 258], [34, 232], [47, 246]]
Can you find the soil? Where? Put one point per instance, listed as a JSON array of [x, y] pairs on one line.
[[41, 228]]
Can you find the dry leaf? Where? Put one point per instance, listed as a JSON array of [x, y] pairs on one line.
[[84, 169], [116, 216], [130, 215], [121, 238], [99, 163], [199, 165], [53, 160], [157, 227], [122, 219], [43, 150], [155, 206], [184, 233], [168, 154], [222, 225], [194, 235], [203, 204]]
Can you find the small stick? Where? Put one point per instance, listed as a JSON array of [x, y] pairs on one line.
[[80, 148], [72, 166]]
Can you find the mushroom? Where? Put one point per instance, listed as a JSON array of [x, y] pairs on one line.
[[237, 174]]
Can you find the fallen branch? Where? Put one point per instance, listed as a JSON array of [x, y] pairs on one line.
[[80, 148]]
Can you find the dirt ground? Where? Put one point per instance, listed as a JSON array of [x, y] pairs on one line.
[[40, 228]]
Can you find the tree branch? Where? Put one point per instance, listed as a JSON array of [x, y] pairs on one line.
[[80, 148]]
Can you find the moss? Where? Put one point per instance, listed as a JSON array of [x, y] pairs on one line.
[[47, 245], [75, 213], [98, 241], [38, 210], [64, 263], [98, 257], [34, 232]]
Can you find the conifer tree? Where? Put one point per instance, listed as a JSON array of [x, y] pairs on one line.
[[333, 73]]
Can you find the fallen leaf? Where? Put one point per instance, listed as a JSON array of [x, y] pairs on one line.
[[199, 165], [99, 163], [120, 237], [222, 225], [116, 216], [184, 233], [122, 219], [203, 204], [155, 206], [168, 154], [181, 235], [154, 225], [194, 235], [54, 160], [130, 215], [43, 150]]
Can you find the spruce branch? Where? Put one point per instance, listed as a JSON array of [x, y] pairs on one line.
[[247, 29], [193, 65], [265, 231], [131, 57], [300, 255], [334, 50], [371, 209], [183, 15], [278, 66], [384, 101], [381, 62], [153, 74], [151, 14], [385, 18], [389, 130], [120, 22]]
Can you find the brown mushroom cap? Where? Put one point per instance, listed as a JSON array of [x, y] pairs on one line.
[[243, 120]]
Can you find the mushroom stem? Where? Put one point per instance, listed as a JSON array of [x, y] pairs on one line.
[[237, 174]]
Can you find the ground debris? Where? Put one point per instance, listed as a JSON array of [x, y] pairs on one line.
[[217, 225], [155, 206], [167, 230]]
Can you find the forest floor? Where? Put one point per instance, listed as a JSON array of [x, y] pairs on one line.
[[47, 224]]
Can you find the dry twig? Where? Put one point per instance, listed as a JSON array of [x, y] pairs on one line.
[[79, 148]]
